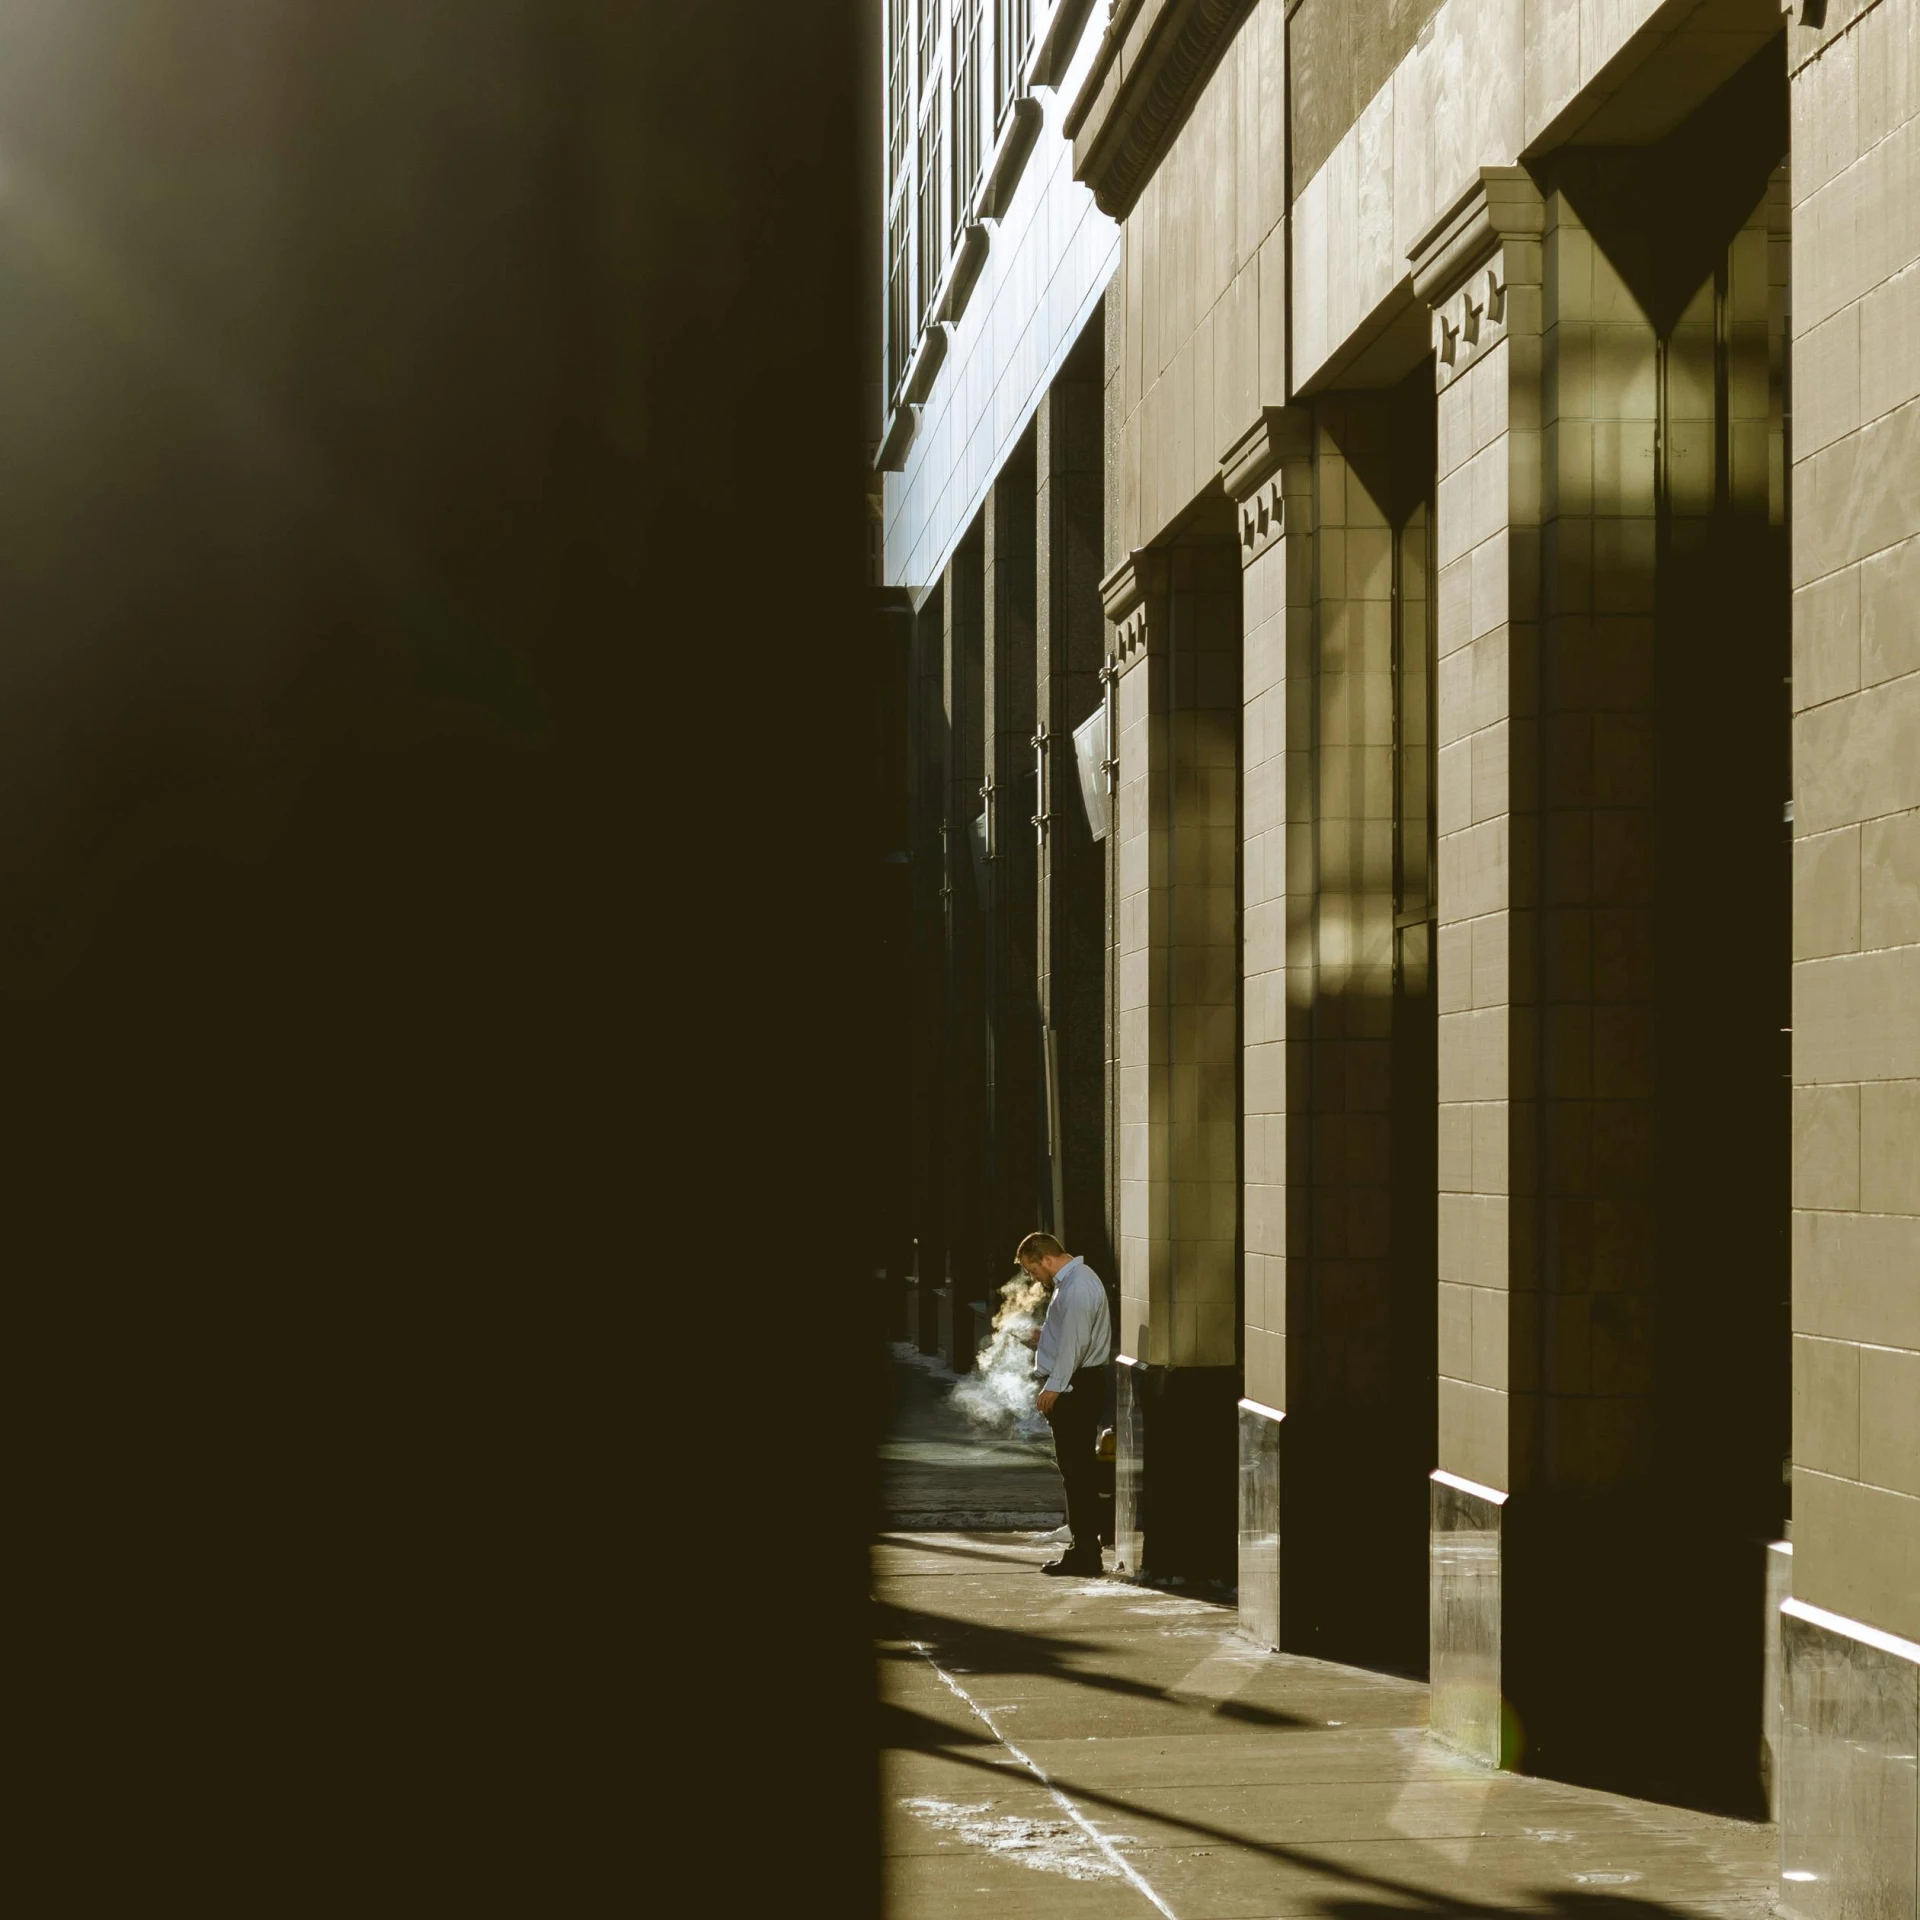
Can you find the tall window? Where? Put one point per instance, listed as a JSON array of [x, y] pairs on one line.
[[966, 110], [1013, 33], [929, 40], [931, 156], [899, 191], [933, 232], [899, 297], [899, 89]]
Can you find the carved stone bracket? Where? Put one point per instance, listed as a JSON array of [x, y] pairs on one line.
[[1462, 269], [1471, 323], [1134, 595], [1263, 518], [1253, 473]]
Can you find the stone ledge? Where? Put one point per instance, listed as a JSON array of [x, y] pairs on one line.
[[1054, 55], [1011, 148], [902, 424], [1813, 26], [917, 382], [963, 270]]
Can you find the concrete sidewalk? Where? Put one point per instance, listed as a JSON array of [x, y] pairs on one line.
[[1090, 1748]]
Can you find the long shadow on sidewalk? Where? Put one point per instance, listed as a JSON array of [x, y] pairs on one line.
[[967, 1646]]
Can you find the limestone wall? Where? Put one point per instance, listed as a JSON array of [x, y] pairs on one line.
[[1856, 693]]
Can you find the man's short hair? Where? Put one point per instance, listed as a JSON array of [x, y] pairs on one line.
[[1037, 1246]]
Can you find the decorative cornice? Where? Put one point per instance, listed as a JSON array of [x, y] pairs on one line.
[[1120, 16], [901, 426], [1133, 595], [1813, 26], [1502, 204], [1152, 62], [1061, 41], [1252, 472], [1280, 434], [1142, 572]]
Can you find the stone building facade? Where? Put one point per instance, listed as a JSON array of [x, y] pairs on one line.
[[1405, 522]]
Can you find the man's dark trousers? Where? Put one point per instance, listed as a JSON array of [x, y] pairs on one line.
[[1075, 1420]]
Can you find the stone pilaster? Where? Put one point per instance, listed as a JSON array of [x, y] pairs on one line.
[[1268, 473], [1480, 271], [1175, 654], [1135, 601]]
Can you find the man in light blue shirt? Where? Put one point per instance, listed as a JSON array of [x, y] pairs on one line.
[[1072, 1349]]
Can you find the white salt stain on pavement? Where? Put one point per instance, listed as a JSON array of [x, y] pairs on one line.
[[1047, 1846], [1104, 1846]]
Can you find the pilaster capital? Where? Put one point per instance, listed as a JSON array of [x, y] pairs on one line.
[[1502, 204], [1253, 473], [1280, 434], [1465, 262], [1134, 595]]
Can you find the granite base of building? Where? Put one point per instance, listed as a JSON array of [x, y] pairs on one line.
[[1615, 1640], [1466, 1620], [1261, 1429], [1773, 1686], [1129, 1448], [1849, 1789], [1175, 1447]]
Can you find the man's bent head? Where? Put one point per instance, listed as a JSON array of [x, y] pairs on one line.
[[1041, 1256]]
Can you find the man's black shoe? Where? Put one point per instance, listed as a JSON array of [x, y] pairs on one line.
[[1083, 1565]]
